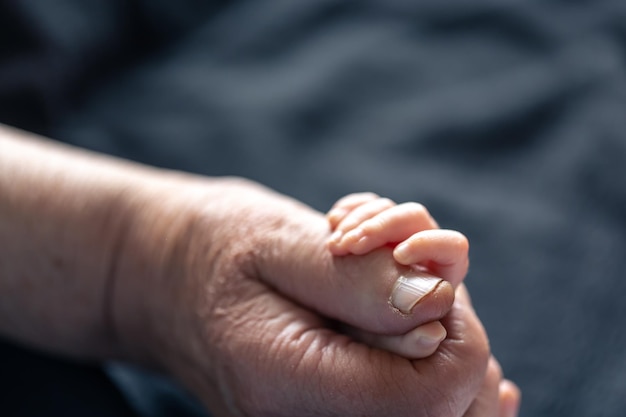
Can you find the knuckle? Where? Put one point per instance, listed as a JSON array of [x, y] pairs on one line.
[[361, 197], [355, 198], [417, 209], [453, 241], [386, 202], [367, 195], [494, 373], [460, 241], [484, 349], [375, 224], [479, 353]]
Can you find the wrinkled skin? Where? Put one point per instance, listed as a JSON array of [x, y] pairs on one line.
[[229, 287]]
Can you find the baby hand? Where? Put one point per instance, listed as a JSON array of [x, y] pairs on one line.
[[364, 222]]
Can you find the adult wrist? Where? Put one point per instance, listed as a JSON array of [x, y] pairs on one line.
[[173, 224]]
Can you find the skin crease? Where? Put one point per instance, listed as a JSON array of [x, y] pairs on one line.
[[224, 285], [307, 352]]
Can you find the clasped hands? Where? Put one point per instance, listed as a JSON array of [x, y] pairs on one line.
[[244, 296]]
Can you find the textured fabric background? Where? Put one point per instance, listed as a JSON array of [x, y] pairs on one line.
[[507, 119]]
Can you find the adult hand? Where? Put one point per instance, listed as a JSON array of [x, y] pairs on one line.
[[229, 287], [226, 286]]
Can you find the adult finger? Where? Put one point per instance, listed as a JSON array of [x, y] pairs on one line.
[[487, 402], [510, 398], [418, 343], [309, 370]]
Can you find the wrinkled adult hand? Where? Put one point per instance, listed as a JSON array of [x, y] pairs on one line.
[[229, 288], [226, 286]]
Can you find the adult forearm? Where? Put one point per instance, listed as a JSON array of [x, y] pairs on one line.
[[220, 283], [62, 212]]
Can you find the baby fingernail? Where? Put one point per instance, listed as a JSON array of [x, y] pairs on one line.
[[509, 399], [510, 410], [409, 290], [400, 252], [336, 236], [335, 213], [354, 235]]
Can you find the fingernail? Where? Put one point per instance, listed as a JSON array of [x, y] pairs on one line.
[[509, 399], [429, 343], [336, 236], [335, 213], [354, 235], [410, 289], [510, 410], [400, 252]]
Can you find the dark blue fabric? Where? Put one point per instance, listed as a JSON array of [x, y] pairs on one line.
[[35, 384], [507, 119]]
